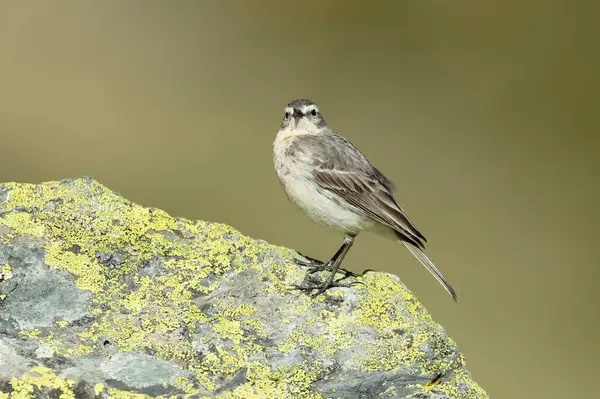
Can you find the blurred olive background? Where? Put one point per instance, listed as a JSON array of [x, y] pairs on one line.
[[485, 115]]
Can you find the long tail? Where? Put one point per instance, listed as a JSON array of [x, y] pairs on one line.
[[431, 267]]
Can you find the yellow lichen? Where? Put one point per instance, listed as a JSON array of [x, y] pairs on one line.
[[88, 271], [98, 388], [40, 378], [287, 383], [32, 333], [23, 223], [137, 309], [62, 323], [118, 394]]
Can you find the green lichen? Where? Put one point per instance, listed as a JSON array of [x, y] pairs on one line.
[[168, 266], [287, 383], [336, 334], [62, 323], [118, 394], [38, 379], [89, 272], [21, 222], [98, 388], [390, 319], [31, 333]]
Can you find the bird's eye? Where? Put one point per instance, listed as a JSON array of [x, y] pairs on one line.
[[313, 112], [287, 115]]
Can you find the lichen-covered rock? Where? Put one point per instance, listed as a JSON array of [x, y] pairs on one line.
[[100, 297]]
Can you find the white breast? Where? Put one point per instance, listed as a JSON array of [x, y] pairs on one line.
[[321, 205]]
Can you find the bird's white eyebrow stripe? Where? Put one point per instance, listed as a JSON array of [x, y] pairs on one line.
[[307, 108]]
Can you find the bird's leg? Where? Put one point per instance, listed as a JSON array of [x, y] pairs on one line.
[[316, 265], [341, 254], [334, 265]]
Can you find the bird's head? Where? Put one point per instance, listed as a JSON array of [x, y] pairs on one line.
[[305, 115]]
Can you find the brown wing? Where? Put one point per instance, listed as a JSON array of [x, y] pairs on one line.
[[366, 192], [343, 169]]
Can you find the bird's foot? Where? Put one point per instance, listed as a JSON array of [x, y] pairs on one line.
[[319, 268], [316, 266], [330, 283], [320, 288], [348, 274]]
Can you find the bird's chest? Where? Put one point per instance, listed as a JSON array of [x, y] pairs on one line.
[[295, 171], [292, 165]]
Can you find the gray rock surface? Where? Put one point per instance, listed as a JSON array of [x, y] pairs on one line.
[[100, 297]]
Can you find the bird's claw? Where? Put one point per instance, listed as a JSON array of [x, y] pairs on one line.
[[321, 288], [348, 274], [316, 266]]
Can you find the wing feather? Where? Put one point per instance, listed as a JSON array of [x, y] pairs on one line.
[[372, 197], [340, 167], [352, 177]]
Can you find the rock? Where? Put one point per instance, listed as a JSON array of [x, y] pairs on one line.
[[102, 297]]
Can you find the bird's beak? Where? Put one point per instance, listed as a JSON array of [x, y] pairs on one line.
[[296, 117]]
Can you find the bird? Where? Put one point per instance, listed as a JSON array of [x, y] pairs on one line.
[[336, 185]]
